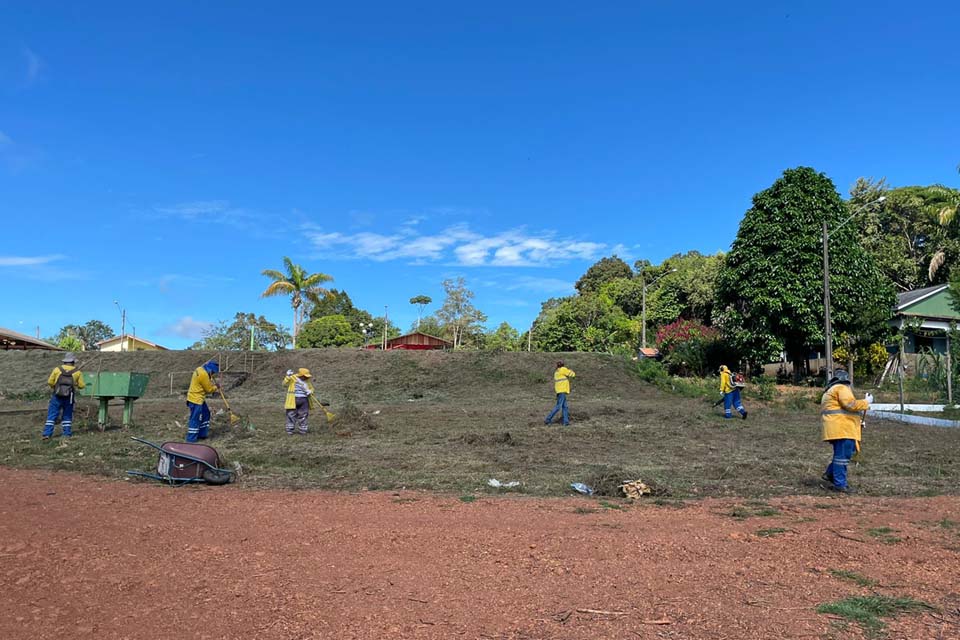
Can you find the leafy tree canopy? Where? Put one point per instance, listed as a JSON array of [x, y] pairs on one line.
[[913, 235], [503, 338], [88, 334], [329, 331], [769, 289], [462, 321], [583, 323], [602, 272], [236, 335]]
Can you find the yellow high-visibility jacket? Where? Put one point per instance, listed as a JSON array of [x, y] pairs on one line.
[[77, 376], [726, 380], [200, 386], [290, 382], [840, 414], [561, 380]]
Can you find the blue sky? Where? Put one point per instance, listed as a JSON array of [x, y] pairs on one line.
[[163, 156]]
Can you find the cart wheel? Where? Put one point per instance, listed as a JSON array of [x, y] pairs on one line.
[[216, 476]]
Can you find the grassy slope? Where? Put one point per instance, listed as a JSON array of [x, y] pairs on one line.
[[450, 421]]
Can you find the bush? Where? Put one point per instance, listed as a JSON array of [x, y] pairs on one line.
[[691, 348], [651, 371]]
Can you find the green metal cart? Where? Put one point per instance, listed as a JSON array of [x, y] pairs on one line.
[[107, 385]]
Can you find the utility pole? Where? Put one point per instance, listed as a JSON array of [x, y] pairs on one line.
[[529, 338], [827, 331], [384, 327]]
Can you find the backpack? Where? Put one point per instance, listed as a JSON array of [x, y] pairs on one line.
[[64, 386]]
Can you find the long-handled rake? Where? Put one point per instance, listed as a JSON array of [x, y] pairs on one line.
[[323, 405], [234, 418]]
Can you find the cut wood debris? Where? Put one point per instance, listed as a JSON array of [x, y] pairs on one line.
[[635, 489]]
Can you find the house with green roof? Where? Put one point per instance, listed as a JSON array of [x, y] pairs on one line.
[[927, 313]]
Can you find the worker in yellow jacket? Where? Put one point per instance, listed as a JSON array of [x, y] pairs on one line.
[[561, 385], [731, 394], [63, 380], [297, 403], [201, 384], [841, 419]]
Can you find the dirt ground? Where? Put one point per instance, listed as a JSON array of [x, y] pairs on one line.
[[82, 557]]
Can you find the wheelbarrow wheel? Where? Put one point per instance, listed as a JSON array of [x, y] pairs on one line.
[[216, 476]]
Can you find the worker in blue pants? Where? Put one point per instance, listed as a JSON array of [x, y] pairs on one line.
[[201, 383], [63, 380], [731, 394]]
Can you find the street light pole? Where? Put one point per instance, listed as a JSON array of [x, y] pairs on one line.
[[827, 325], [123, 326], [643, 305]]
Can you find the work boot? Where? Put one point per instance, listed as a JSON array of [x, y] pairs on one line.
[[744, 415], [827, 478]]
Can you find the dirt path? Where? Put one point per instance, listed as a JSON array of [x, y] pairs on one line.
[[85, 558]]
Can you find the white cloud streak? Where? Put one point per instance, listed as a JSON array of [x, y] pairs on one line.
[[186, 327], [34, 65], [456, 244], [194, 210], [27, 261]]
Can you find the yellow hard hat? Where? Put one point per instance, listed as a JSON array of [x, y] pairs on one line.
[[304, 373]]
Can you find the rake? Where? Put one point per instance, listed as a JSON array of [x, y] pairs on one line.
[[234, 418]]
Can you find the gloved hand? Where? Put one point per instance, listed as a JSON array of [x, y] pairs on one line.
[[289, 372], [869, 398]]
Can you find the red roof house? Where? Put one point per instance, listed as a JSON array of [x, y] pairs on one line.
[[414, 341]]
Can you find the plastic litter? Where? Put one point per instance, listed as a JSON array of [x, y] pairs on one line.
[[582, 488], [493, 482]]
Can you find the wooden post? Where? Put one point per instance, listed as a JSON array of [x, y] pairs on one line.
[[900, 372], [949, 373]]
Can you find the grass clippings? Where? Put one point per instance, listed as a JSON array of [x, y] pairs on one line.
[[884, 535], [867, 611], [854, 577], [477, 415], [751, 510]]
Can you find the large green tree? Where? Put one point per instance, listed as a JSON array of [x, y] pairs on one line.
[[687, 291], [503, 338], [769, 290], [302, 287], [88, 334], [583, 323], [236, 336], [914, 234], [602, 272], [461, 320], [329, 331]]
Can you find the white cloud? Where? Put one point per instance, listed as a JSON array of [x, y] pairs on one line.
[[34, 65], [542, 285], [27, 261], [196, 209], [186, 327], [457, 244]]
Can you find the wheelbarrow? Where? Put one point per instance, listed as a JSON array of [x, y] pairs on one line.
[[186, 462]]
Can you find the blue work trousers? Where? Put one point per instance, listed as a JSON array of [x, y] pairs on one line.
[[561, 406], [57, 406], [732, 400], [198, 427], [843, 451]]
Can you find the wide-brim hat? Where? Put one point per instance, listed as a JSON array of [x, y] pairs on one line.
[[304, 373], [69, 357]]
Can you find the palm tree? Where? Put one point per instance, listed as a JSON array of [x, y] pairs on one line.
[[300, 286]]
